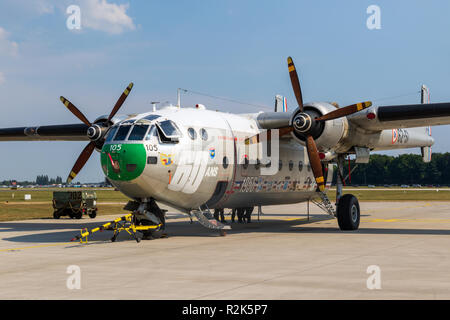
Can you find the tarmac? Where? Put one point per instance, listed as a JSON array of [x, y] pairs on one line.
[[401, 251]]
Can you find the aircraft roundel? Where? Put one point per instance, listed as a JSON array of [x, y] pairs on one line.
[[394, 135]]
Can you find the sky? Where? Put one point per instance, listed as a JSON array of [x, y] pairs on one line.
[[234, 49]]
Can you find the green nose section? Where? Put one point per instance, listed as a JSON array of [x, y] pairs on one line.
[[123, 162]]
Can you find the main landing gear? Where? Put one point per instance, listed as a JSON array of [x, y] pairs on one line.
[[347, 209], [347, 206]]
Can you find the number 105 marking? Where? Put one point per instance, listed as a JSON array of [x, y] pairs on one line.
[[115, 147], [151, 147]]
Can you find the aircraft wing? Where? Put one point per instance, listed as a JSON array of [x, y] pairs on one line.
[[63, 132], [378, 118]]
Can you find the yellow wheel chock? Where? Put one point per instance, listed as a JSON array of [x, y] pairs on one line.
[[125, 223]]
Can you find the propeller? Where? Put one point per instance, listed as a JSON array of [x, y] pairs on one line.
[[95, 132], [305, 125]]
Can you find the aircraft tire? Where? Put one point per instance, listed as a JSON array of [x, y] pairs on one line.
[[348, 212]]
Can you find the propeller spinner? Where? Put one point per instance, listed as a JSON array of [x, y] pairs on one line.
[[95, 132]]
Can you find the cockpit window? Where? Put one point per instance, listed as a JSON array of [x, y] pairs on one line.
[[169, 128], [111, 134], [152, 117], [138, 132], [127, 122], [151, 133], [122, 132]]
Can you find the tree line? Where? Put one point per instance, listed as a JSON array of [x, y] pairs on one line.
[[403, 169]]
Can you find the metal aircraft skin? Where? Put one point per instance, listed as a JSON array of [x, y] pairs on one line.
[[195, 159]]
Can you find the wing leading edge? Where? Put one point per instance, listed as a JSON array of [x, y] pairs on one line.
[[378, 118]]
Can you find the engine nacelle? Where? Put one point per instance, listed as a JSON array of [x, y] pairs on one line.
[[99, 129], [326, 134]]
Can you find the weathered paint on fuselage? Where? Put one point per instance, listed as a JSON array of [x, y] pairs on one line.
[[211, 170]]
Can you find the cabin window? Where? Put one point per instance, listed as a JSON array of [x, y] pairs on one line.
[[280, 165], [300, 165], [192, 133], [138, 132], [204, 134], [291, 165], [225, 162]]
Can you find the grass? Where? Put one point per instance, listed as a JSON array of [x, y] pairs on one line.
[[19, 211], [109, 201], [13, 205], [46, 195], [395, 195]]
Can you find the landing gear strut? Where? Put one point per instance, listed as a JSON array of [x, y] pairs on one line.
[[347, 206]]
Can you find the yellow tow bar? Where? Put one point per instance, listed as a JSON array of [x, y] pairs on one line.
[[118, 225]]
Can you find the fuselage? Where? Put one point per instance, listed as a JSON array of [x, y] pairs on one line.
[[192, 157]]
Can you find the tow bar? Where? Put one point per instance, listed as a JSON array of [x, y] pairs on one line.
[[125, 223]]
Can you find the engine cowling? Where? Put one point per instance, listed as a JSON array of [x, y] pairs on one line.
[[100, 127], [327, 134]]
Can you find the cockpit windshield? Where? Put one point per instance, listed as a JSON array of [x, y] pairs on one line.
[[111, 133], [138, 132], [122, 132], [151, 133]]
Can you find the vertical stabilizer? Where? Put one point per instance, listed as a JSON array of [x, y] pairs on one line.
[[280, 103]]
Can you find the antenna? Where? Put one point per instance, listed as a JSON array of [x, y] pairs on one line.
[[179, 90], [154, 103]]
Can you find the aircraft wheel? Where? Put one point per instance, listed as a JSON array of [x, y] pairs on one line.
[[56, 215], [93, 214], [348, 212]]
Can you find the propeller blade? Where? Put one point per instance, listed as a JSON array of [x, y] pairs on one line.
[[69, 105], [120, 101], [81, 161], [295, 83], [345, 111], [258, 137], [314, 160]]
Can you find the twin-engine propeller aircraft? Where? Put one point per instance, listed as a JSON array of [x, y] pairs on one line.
[[196, 159]]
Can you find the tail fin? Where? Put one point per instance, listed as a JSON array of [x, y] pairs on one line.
[[280, 103], [425, 98]]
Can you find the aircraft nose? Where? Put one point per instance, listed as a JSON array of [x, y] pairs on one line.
[[123, 162]]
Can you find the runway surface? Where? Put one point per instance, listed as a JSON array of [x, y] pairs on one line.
[[283, 256]]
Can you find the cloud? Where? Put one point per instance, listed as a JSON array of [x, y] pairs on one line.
[[7, 47], [43, 7], [2, 78], [103, 16]]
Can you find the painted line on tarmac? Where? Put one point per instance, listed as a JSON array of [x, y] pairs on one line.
[[407, 220], [37, 246]]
